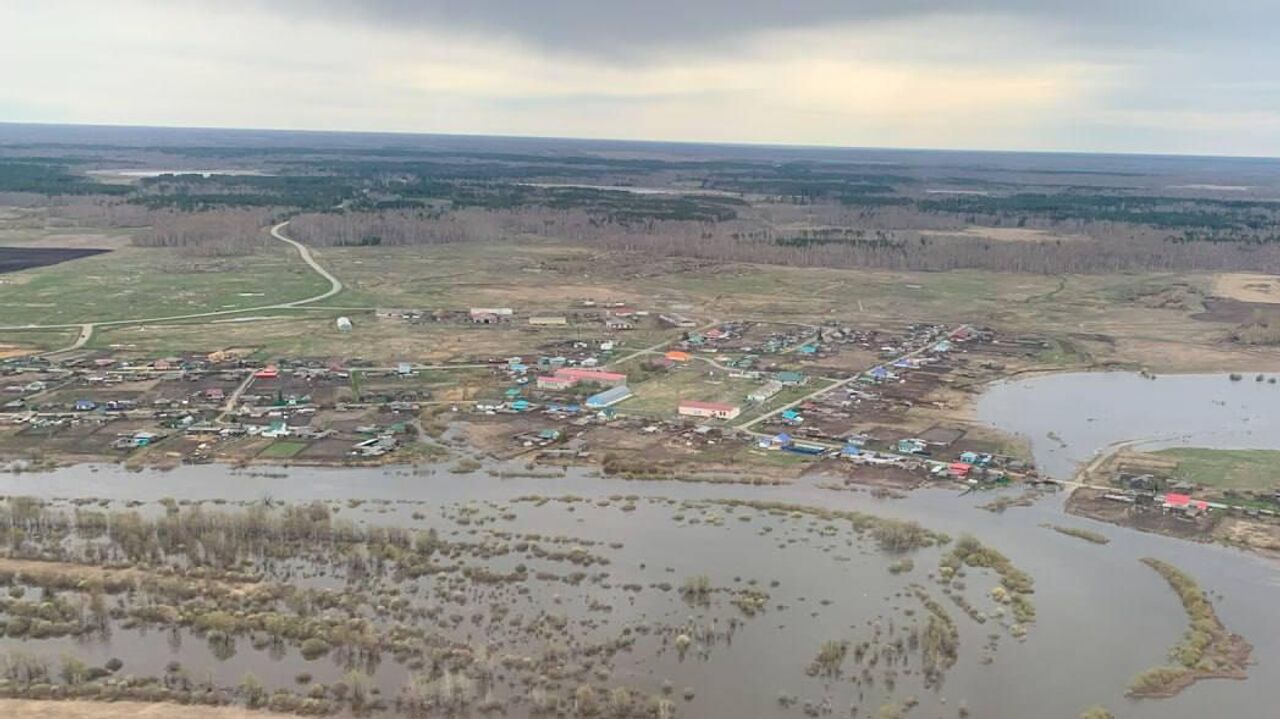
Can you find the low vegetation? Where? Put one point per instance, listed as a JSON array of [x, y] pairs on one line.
[[1085, 534], [1207, 650]]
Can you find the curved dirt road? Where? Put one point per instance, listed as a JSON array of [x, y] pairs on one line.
[[87, 328]]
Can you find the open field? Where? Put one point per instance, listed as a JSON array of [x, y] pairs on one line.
[[1248, 287], [1106, 319], [1154, 320], [1226, 468], [313, 333], [25, 341], [149, 282], [662, 394]]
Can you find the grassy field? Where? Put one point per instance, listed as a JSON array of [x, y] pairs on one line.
[[1227, 468], [23, 341], [313, 333], [1097, 318], [146, 282], [1118, 319], [663, 393]]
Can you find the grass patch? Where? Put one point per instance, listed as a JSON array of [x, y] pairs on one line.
[[893, 535], [1085, 534], [1207, 650], [1226, 468]]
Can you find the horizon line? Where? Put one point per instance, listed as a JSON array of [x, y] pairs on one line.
[[687, 142]]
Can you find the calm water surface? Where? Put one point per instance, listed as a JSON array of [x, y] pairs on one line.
[[1068, 418]]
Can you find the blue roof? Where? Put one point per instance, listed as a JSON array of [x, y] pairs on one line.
[[782, 438], [609, 396], [520, 405], [790, 414]]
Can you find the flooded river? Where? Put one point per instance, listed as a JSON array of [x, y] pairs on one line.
[[1068, 418], [1101, 616]]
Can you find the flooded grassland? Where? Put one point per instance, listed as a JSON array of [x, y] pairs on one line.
[[389, 592]]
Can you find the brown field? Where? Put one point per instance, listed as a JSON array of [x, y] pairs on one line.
[[1247, 287]]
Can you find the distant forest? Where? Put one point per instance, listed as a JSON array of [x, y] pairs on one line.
[[797, 212]]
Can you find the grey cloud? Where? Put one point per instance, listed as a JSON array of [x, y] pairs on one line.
[[623, 29]]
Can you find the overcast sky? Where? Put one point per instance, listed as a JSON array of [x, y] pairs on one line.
[[1179, 76]]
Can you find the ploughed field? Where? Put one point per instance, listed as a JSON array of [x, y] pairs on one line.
[[15, 259]]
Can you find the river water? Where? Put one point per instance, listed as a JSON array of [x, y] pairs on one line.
[[1068, 418], [1102, 617]]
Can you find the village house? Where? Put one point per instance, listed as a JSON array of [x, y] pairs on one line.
[[489, 315], [714, 410]]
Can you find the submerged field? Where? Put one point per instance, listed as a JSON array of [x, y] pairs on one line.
[[438, 592]]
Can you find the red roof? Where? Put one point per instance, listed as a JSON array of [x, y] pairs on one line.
[[1184, 500], [590, 375]]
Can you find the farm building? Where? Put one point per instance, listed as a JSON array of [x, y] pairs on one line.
[[568, 377], [548, 321], [344, 324], [593, 376], [498, 311], [615, 323], [766, 391], [676, 320], [715, 410], [609, 397], [791, 379]]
